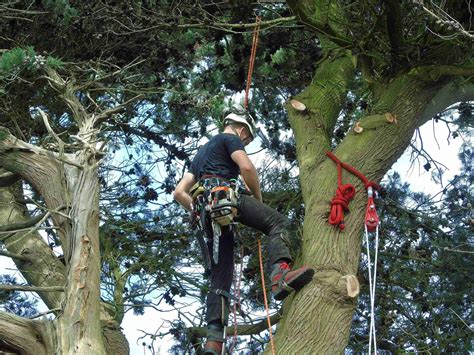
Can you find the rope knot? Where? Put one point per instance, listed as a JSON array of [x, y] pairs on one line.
[[340, 203]]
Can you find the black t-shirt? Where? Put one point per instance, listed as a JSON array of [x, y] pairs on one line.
[[213, 158]]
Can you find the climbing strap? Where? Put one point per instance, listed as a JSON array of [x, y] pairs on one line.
[[253, 53]]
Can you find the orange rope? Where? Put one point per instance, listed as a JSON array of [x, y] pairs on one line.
[[253, 54], [265, 296]]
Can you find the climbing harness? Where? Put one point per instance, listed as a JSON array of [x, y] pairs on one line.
[[339, 204], [218, 198]]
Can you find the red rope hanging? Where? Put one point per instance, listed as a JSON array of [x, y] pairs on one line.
[[345, 193]]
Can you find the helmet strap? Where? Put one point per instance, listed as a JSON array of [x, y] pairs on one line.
[[234, 130]]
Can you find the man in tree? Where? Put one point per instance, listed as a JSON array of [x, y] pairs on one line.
[[217, 165]]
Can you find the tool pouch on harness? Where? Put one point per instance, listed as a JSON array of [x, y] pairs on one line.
[[222, 205]]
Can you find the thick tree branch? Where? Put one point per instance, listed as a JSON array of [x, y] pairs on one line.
[[41, 266], [42, 169], [223, 26], [456, 90], [23, 335]]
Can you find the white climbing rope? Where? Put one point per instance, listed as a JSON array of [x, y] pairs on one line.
[[372, 285]]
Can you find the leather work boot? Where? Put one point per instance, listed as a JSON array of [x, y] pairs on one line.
[[285, 281], [213, 347]]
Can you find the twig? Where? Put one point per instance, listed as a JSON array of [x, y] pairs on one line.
[[14, 256], [31, 288], [462, 320], [458, 251], [45, 313]]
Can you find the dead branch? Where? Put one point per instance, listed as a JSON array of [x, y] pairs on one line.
[[242, 329], [31, 288]]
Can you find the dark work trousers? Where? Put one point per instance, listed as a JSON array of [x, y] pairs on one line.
[[254, 214]]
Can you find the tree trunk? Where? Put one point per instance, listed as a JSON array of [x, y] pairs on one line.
[[79, 325], [317, 320], [75, 191]]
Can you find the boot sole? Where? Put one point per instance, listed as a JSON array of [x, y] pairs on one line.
[[297, 283]]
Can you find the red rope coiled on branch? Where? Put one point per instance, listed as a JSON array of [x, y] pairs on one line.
[[345, 192]]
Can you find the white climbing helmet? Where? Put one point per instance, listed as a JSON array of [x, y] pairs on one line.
[[237, 114]]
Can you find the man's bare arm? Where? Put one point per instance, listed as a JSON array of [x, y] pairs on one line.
[[248, 172], [181, 192]]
